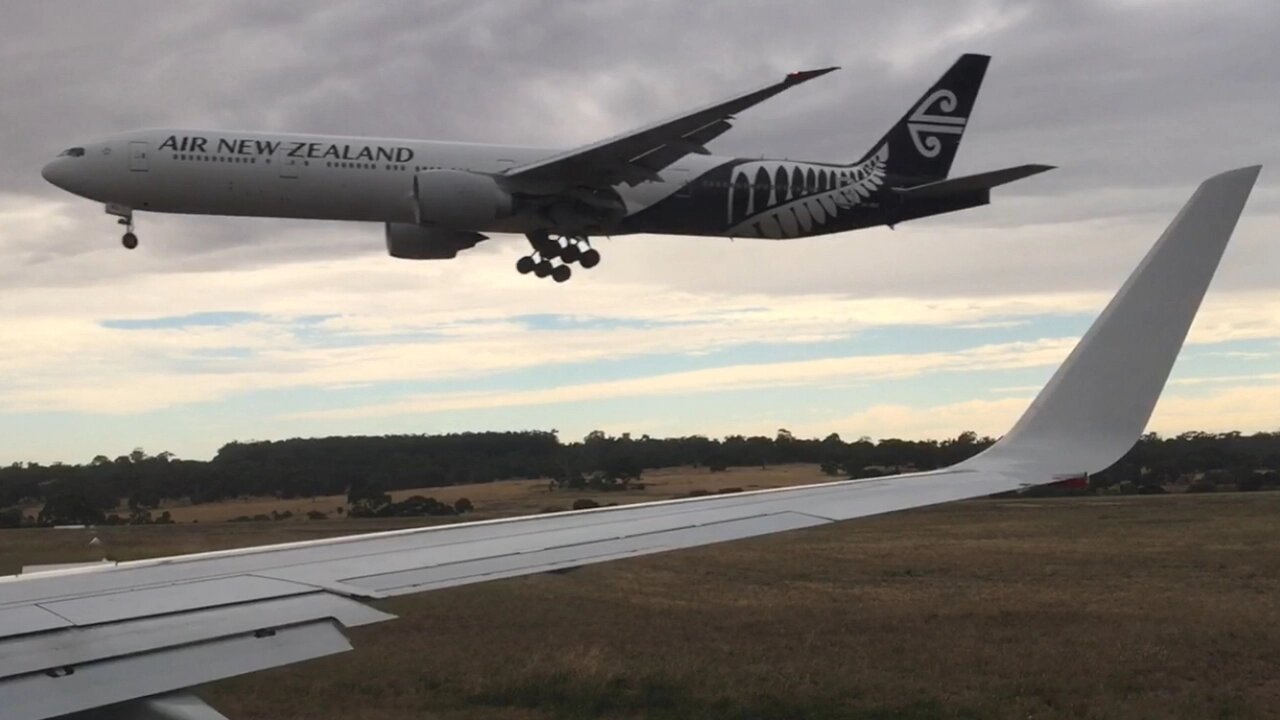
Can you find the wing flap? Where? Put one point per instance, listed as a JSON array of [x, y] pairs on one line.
[[176, 706], [636, 156], [151, 601], [37, 696], [75, 647], [25, 619], [692, 144], [561, 558]]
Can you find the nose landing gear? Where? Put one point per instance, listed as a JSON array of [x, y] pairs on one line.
[[129, 240], [566, 249]]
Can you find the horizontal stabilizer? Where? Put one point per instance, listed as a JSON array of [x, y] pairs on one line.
[[972, 183]]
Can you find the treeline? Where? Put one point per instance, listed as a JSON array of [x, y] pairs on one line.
[[333, 466]]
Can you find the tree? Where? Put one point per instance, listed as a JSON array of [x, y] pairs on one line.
[[367, 492], [11, 518], [69, 509], [144, 499]]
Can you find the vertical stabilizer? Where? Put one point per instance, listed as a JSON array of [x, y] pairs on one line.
[[923, 144]]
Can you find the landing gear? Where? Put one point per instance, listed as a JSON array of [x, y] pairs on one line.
[[552, 255], [129, 240]]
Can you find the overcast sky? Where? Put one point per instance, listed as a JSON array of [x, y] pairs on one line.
[[218, 329]]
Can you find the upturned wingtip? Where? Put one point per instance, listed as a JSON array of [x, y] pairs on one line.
[[803, 75]]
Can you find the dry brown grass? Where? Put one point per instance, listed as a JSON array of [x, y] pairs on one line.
[[1135, 607], [517, 496]]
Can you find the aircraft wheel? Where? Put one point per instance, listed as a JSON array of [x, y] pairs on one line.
[[525, 265], [590, 258], [542, 269], [550, 249], [561, 273], [129, 240], [571, 253]]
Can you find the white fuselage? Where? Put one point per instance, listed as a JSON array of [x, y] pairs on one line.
[[299, 176]]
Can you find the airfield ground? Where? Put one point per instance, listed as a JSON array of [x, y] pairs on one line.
[[1136, 607]]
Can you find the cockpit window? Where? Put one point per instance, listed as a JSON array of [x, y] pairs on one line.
[[72, 152]]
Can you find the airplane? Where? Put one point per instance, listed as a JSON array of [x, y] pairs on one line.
[[128, 640], [437, 198]]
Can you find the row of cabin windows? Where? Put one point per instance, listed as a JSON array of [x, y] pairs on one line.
[[805, 186], [365, 166], [306, 163], [419, 168], [216, 158]]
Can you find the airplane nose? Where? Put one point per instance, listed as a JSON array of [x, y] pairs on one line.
[[51, 173]]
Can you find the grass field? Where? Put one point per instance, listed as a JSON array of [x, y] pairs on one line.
[[1134, 607], [517, 496]]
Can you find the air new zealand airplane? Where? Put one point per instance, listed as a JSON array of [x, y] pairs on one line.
[[437, 198]]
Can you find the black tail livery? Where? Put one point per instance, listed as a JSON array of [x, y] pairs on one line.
[[922, 145]]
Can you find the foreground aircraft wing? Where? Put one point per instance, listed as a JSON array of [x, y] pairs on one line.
[[637, 156], [126, 640]]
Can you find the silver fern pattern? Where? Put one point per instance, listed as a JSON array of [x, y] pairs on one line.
[[776, 199]]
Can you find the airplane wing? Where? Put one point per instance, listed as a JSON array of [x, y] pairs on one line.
[[637, 156], [126, 640]]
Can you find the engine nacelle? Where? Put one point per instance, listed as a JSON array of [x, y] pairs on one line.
[[460, 199], [416, 242]]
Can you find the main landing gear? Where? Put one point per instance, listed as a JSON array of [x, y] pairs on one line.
[[552, 255], [129, 240]]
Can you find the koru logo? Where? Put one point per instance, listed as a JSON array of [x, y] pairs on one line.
[[925, 128]]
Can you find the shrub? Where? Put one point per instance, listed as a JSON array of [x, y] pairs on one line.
[[585, 504], [11, 518]]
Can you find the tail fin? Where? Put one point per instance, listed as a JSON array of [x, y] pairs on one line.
[[924, 142]]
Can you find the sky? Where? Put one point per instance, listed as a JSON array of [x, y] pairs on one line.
[[221, 329]]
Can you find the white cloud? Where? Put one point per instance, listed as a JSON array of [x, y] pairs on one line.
[[735, 377], [1248, 408]]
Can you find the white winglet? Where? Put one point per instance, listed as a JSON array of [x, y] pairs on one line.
[[1096, 406]]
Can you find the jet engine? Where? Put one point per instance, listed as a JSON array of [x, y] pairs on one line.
[[460, 199], [417, 242]]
